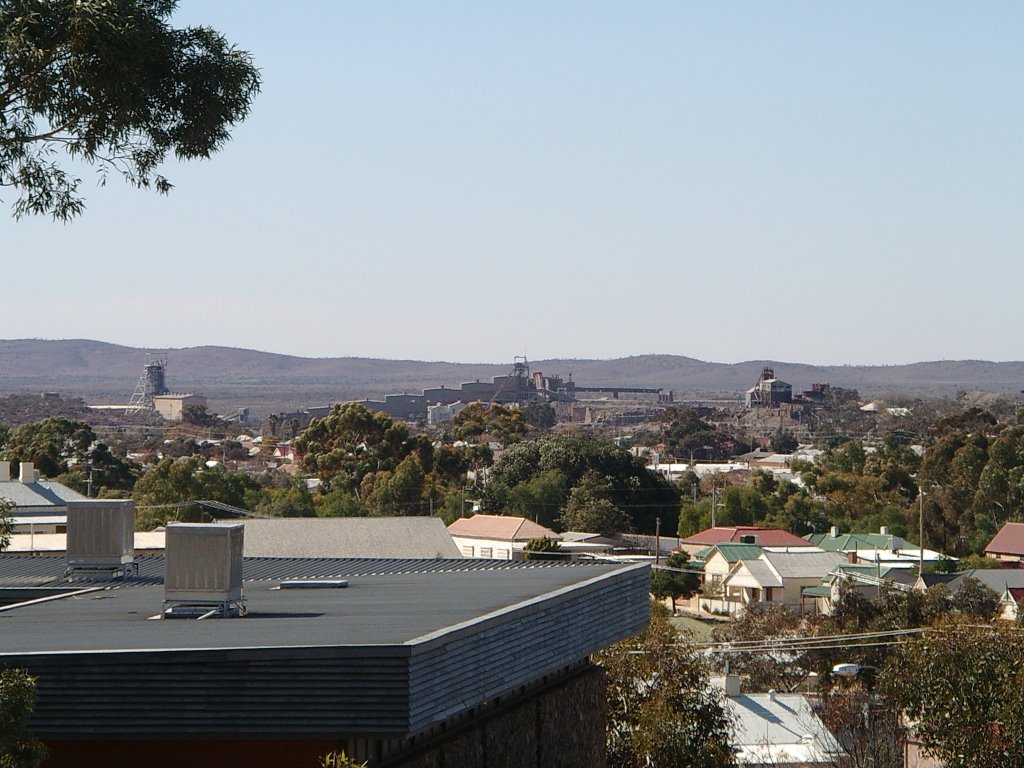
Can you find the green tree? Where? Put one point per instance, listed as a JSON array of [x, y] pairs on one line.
[[539, 498], [501, 421], [675, 580], [632, 488], [171, 487], [661, 709], [541, 548], [111, 84], [591, 509], [50, 444], [6, 526], [961, 688], [293, 501], [18, 749], [399, 492], [350, 443]]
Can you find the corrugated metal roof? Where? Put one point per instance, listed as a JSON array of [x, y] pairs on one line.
[[1008, 541], [501, 527], [803, 565], [42, 493], [48, 570], [397, 537]]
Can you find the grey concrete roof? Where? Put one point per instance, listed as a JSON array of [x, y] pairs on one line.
[[399, 537], [42, 493]]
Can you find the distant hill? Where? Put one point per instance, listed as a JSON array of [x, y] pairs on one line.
[[232, 378]]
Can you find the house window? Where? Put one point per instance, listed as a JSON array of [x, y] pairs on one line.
[[716, 578], [467, 551], [486, 552], [503, 554]]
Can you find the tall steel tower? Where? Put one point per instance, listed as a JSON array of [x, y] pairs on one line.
[[152, 382]]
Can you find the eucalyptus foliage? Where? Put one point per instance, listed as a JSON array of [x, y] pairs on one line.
[[109, 83]]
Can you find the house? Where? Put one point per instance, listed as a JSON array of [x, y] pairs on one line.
[[498, 537], [772, 577], [875, 548], [778, 729], [866, 580], [742, 534], [407, 662], [393, 537], [997, 579], [1009, 603], [40, 506], [1008, 543], [720, 559]]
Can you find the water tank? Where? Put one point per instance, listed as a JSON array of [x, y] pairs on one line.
[[204, 565]]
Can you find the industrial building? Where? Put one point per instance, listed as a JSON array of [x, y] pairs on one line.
[[282, 660]]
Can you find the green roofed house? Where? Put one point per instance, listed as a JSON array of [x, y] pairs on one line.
[[866, 579], [872, 548]]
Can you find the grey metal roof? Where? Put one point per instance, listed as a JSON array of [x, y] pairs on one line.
[[42, 493], [422, 537], [46, 570], [803, 565]]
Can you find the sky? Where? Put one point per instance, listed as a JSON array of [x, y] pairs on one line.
[[824, 183]]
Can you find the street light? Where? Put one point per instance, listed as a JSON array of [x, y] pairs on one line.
[[850, 670]]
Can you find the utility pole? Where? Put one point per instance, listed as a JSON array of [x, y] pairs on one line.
[[920, 567], [714, 506], [657, 541]]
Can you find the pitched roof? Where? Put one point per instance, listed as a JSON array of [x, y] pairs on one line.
[[760, 575], [731, 552], [499, 527], [41, 493], [406, 537], [849, 542], [803, 565], [1009, 540], [780, 728], [764, 537]]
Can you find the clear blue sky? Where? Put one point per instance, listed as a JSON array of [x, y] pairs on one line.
[[801, 181]]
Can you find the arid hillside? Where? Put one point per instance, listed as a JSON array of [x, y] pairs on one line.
[[265, 382]]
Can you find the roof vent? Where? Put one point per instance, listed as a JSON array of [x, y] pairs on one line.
[[101, 537], [204, 570]]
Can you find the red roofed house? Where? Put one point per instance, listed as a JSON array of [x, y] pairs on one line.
[[742, 534], [1008, 544], [496, 537]]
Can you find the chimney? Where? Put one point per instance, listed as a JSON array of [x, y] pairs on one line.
[[771, 694], [884, 530], [5, 471], [834, 531], [27, 473], [732, 685], [851, 556]]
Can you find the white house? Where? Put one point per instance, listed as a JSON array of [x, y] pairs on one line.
[[496, 537], [773, 577]]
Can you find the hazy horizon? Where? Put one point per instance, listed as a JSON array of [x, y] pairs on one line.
[[814, 182]]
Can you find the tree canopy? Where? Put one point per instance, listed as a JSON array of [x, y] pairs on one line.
[[565, 462], [109, 83], [661, 708], [18, 749]]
